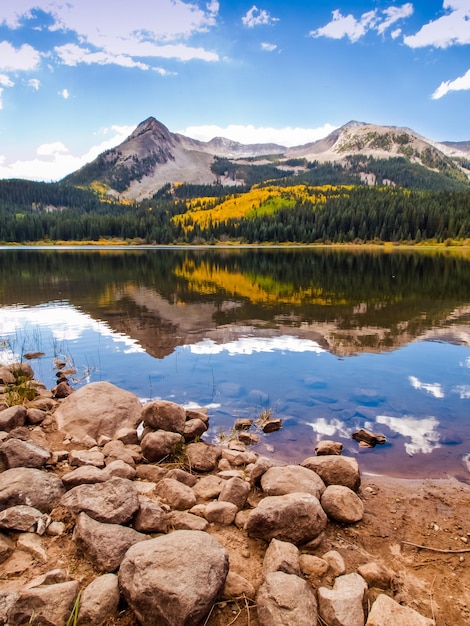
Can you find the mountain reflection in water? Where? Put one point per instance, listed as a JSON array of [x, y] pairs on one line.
[[330, 340]]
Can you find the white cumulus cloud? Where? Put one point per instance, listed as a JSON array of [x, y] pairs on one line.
[[448, 30], [268, 47], [24, 58], [421, 433], [257, 17], [462, 83]]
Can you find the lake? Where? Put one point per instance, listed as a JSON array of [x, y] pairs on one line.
[[329, 340]]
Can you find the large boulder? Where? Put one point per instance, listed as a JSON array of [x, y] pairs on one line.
[[104, 544], [335, 470], [277, 481], [286, 599], [98, 409], [114, 501], [33, 487], [173, 580], [294, 517]]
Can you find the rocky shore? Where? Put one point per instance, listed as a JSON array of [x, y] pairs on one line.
[[116, 513]]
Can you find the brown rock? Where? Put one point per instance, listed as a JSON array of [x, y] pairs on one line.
[[221, 512], [277, 481], [99, 601], [13, 417], [281, 556], [342, 505], [18, 453], [39, 489], [50, 605], [386, 612], [335, 470], [160, 444], [286, 599], [202, 457], [345, 604], [164, 415], [178, 495], [235, 490], [150, 518], [326, 447]]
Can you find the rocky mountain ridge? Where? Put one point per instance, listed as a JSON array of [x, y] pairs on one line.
[[153, 156]]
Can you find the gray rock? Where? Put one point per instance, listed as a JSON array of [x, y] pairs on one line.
[[99, 601], [33, 487], [386, 612], [235, 490], [178, 495], [104, 544], [150, 518], [281, 556], [21, 517], [221, 512], [202, 457], [6, 548], [114, 501], [86, 474], [160, 444], [345, 604], [182, 520], [328, 447], [77, 458], [335, 470], [50, 605], [18, 453], [164, 415], [13, 417], [286, 599], [174, 580], [342, 505], [98, 409], [208, 487], [277, 481], [295, 517]]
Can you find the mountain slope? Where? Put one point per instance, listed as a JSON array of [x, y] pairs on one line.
[[152, 156]]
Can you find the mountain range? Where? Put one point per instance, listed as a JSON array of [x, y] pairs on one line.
[[153, 157]]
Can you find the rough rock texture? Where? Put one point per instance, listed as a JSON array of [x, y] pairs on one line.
[[295, 517], [18, 453], [98, 409], [21, 517], [99, 601], [281, 556], [49, 605], [344, 604], [160, 444], [221, 512], [150, 518], [387, 612], [164, 415], [286, 599], [114, 501], [235, 490], [13, 417], [202, 457], [335, 470], [328, 447], [178, 495], [33, 487], [167, 583], [376, 575], [341, 504], [86, 474], [105, 544], [277, 481]]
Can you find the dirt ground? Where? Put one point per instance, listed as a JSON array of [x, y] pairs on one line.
[[400, 515]]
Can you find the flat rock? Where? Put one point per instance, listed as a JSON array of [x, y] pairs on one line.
[[344, 605], [294, 517], [277, 481], [335, 470], [184, 477], [99, 601], [114, 501], [33, 487], [50, 605], [86, 474], [386, 612], [342, 505], [175, 579], [104, 544], [98, 409], [78, 458], [376, 575], [286, 599]]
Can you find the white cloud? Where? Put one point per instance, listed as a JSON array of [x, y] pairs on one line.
[[421, 432], [5, 81], [34, 83], [435, 389], [462, 83], [328, 428], [250, 345], [450, 29], [348, 26], [55, 160], [71, 54], [258, 17], [65, 94], [288, 136], [24, 58], [463, 391], [268, 47], [139, 31]]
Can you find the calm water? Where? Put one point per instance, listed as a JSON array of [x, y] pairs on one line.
[[330, 341]]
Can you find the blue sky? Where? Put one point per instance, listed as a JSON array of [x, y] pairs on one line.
[[76, 77]]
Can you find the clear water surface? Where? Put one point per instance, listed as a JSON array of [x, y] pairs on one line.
[[329, 340]]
